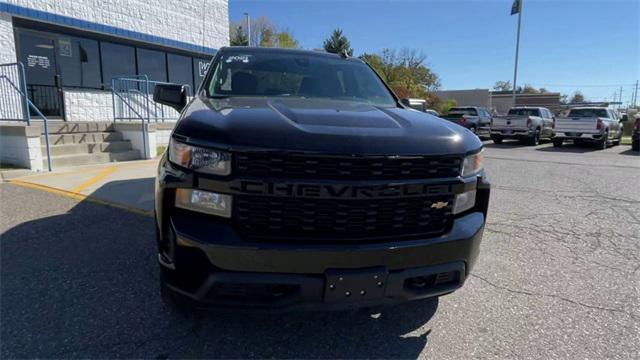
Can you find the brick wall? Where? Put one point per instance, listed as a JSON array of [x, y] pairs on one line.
[[7, 41], [191, 21], [88, 105]]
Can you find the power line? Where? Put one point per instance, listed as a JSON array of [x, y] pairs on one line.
[[584, 85]]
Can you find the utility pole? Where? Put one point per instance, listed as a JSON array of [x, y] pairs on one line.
[[516, 8], [620, 101], [635, 95], [248, 28]]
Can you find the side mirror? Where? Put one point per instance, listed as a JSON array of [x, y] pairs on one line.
[[170, 94], [405, 102], [624, 118]]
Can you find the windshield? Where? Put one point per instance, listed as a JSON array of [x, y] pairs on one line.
[[588, 113], [525, 112], [299, 75]]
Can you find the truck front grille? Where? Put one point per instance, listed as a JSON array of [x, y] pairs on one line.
[[341, 219], [304, 166]]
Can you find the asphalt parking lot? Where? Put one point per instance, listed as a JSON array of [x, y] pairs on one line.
[[557, 278]]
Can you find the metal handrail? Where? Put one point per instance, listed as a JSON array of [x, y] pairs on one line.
[[27, 104]]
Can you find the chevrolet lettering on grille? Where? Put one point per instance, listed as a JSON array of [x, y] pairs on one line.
[[342, 191]]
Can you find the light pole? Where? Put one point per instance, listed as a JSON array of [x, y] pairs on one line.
[[516, 8], [248, 28]]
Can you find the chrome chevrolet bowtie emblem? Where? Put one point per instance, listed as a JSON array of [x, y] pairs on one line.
[[439, 205]]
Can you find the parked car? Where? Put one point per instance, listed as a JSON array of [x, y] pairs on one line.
[[476, 119], [598, 125], [529, 124], [635, 134], [297, 179], [420, 105]]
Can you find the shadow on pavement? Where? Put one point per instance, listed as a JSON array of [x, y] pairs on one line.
[[507, 144], [137, 193], [630, 152], [571, 148], [84, 284]]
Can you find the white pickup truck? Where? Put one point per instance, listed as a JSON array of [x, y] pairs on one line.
[[528, 124], [589, 124]]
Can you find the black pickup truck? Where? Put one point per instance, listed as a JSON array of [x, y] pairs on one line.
[[297, 179]]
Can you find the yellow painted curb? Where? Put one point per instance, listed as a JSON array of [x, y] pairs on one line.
[[81, 197], [101, 175]]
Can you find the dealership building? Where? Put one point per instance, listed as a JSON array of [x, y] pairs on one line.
[[72, 49]]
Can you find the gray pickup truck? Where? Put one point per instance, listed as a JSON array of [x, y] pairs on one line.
[[589, 125], [528, 124], [476, 119]]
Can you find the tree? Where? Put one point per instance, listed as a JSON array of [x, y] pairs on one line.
[[502, 86], [337, 43], [406, 73], [237, 35], [285, 39], [577, 98], [528, 89], [447, 105]]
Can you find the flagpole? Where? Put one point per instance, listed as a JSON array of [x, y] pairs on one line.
[[515, 70]]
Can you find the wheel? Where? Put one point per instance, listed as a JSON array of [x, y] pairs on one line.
[[496, 139], [557, 142], [618, 140], [176, 303], [604, 142], [535, 139]]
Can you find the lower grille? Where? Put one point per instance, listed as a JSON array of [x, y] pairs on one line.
[[340, 219]]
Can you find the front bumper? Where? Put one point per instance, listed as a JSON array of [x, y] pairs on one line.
[[215, 266]]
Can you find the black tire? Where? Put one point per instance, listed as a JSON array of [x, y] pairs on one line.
[[618, 140], [535, 139], [557, 142], [496, 140], [604, 142], [175, 302], [635, 145]]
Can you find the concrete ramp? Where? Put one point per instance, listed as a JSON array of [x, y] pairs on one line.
[[127, 185]]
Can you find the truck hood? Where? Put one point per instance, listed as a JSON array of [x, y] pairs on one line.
[[318, 125]]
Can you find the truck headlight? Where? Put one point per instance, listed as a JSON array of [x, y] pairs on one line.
[[473, 164], [204, 202], [464, 201], [200, 159]]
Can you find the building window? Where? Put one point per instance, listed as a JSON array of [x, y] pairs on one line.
[[153, 64], [200, 67], [79, 61], [117, 60], [180, 70]]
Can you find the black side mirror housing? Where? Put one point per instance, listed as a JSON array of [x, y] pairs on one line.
[[173, 95], [405, 102]]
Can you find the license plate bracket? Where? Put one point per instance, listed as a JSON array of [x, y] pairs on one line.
[[352, 285]]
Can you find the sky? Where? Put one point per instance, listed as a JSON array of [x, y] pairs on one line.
[[565, 45]]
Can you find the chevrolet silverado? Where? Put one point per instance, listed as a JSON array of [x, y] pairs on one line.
[[297, 179]]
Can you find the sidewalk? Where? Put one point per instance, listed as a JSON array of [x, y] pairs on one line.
[[128, 185]]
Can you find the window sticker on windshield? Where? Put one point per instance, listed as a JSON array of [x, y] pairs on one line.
[[238, 58]]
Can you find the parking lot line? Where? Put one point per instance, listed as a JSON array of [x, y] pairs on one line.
[[101, 175], [81, 197]]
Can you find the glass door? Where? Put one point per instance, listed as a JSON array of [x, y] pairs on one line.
[[37, 53]]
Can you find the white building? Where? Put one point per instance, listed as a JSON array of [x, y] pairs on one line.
[[72, 49]]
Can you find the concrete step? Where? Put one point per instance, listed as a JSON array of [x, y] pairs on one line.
[[81, 138], [88, 148], [59, 127], [95, 158]]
